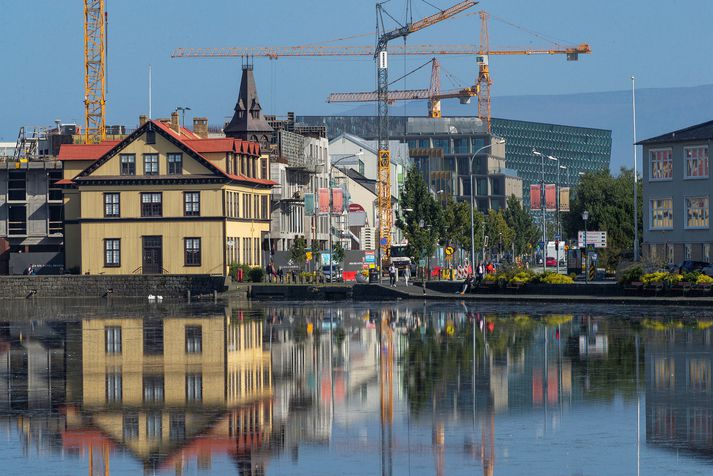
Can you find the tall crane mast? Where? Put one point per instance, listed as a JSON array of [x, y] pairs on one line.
[[94, 71], [382, 92]]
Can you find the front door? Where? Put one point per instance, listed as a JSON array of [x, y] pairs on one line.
[[152, 255]]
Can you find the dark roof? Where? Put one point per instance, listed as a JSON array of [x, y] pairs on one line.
[[699, 132], [248, 117]]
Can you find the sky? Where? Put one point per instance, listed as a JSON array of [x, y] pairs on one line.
[[664, 43]]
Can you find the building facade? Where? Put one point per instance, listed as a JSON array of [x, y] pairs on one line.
[[580, 149], [165, 200], [677, 187]]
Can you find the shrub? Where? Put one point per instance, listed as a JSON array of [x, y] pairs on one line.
[[555, 278], [691, 277], [256, 274], [522, 277], [491, 278], [632, 274], [704, 279], [661, 277]]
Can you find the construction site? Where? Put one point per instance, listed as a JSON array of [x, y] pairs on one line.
[[335, 180]]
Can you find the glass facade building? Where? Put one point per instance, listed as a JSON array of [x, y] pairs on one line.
[[580, 149]]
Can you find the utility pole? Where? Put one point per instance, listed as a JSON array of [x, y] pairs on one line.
[[636, 188]]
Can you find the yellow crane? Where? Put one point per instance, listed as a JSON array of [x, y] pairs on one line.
[[94, 71]]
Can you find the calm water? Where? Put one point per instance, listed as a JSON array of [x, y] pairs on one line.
[[325, 388]]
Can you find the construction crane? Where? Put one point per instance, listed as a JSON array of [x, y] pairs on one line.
[[481, 89], [382, 92], [433, 93], [94, 71]]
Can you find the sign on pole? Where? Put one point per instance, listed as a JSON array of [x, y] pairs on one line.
[[564, 199], [551, 197], [596, 239], [535, 197]]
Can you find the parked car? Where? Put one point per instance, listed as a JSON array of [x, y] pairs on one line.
[[328, 276], [688, 266], [551, 261], [708, 270]]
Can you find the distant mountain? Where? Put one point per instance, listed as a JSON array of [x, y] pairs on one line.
[[659, 110]]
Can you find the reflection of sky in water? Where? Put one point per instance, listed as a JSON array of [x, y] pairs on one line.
[[554, 390]]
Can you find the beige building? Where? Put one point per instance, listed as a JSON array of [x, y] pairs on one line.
[[165, 200]]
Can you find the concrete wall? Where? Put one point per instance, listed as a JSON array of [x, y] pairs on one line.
[[174, 286]]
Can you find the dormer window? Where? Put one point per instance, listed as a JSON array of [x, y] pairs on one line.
[[150, 137]]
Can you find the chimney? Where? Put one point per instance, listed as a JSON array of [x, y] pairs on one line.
[[200, 127], [175, 124], [143, 119]]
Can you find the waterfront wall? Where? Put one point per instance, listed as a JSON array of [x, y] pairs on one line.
[[93, 286]]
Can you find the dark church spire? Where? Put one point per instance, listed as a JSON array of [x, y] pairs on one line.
[[248, 122]]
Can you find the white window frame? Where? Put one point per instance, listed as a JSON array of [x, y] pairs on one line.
[[685, 163], [656, 179], [686, 226], [651, 214]]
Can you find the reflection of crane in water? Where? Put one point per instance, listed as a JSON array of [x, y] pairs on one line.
[[386, 389]]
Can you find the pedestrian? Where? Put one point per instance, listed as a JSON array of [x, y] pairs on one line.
[[268, 272], [392, 275], [467, 284], [480, 273], [489, 268], [281, 274], [407, 274]]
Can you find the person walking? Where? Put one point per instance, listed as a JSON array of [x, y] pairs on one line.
[[479, 274], [392, 275], [407, 274]]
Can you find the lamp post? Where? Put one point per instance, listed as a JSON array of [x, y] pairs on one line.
[[636, 191], [557, 212], [585, 217], [472, 201], [542, 205], [331, 204], [183, 110]]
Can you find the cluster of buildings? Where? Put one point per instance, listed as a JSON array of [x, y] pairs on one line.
[[164, 198]]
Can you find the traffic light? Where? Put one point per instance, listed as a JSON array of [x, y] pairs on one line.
[[557, 245]]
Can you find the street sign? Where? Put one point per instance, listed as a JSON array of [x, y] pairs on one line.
[[449, 250], [308, 256], [597, 239], [558, 237], [383, 241]]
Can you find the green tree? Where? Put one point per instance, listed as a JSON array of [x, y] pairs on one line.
[[338, 255], [421, 216], [525, 232], [610, 203], [298, 250], [456, 226], [500, 235]]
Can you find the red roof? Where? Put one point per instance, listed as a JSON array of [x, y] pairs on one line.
[[85, 151], [64, 182], [212, 145]]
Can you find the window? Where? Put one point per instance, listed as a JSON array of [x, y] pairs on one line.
[[193, 251], [113, 387], [192, 204], [697, 212], [131, 427], [194, 387], [153, 426], [660, 164], [265, 207], [56, 218], [699, 375], [111, 204], [175, 164], [696, 161], [661, 214], [17, 219], [153, 388], [128, 164], [707, 252], [194, 339], [151, 205], [153, 337], [150, 164], [113, 339], [112, 252], [687, 249], [177, 427], [17, 185], [55, 192]]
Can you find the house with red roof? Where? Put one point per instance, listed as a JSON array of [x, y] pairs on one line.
[[165, 200]]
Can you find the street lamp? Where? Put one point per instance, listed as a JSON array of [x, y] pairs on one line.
[[542, 205], [183, 110], [585, 217], [498, 141], [557, 212], [331, 204]]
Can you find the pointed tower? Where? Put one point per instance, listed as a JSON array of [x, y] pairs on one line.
[[248, 122]]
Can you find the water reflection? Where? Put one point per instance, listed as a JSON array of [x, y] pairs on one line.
[[389, 389]]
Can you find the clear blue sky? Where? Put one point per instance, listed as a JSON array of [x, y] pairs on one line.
[[664, 43]]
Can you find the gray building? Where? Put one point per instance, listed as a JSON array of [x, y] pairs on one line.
[[677, 187], [31, 209]]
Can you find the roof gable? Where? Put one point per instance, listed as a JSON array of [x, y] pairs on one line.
[[698, 132]]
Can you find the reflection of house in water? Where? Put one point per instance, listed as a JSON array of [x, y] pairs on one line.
[[679, 392], [170, 390]]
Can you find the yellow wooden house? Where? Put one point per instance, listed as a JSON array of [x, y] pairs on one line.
[[165, 201]]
